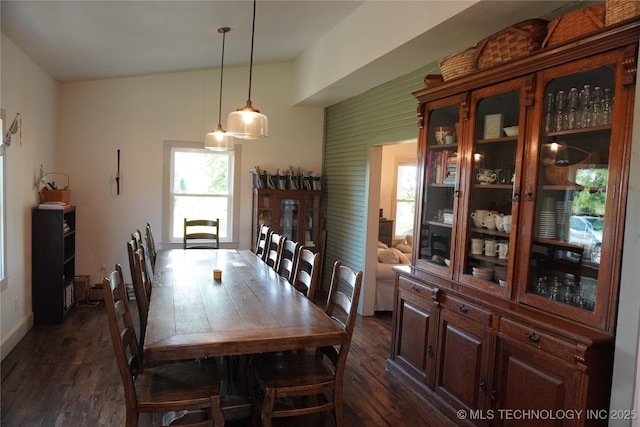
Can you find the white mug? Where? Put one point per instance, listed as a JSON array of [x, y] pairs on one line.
[[503, 250], [490, 247], [476, 246], [489, 222]]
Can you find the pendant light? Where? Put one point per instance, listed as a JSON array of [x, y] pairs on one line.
[[247, 122], [219, 139]]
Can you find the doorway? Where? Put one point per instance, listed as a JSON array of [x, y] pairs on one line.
[[383, 162]]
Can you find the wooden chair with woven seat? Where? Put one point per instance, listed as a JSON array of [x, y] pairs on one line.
[[288, 260], [307, 272], [274, 249], [201, 234], [290, 380], [261, 243], [151, 245], [180, 386]]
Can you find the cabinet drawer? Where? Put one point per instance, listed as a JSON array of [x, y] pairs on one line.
[[385, 228], [466, 309], [537, 339], [415, 287]]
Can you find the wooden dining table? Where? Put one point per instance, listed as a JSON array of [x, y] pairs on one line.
[[250, 310]]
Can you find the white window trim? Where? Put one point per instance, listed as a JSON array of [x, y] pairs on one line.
[[233, 242], [398, 162]]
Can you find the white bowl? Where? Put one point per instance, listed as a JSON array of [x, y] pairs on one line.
[[511, 130]]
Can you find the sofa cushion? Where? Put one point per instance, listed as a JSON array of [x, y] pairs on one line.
[[388, 256], [404, 248]]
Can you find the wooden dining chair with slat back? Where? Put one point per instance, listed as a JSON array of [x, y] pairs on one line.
[[201, 234], [189, 386], [141, 289], [307, 272], [290, 379], [288, 260], [151, 245], [262, 241], [274, 249]]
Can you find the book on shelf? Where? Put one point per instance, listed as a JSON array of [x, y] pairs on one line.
[[442, 167]]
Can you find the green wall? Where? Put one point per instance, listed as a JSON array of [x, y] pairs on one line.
[[384, 114]]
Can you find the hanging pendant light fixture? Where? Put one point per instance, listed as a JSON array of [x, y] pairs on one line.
[[247, 122], [219, 139]]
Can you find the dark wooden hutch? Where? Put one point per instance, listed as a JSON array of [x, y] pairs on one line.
[[489, 318]]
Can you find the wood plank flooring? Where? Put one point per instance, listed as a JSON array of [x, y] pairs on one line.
[[66, 375]]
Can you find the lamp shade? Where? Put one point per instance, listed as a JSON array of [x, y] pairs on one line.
[[218, 140], [248, 123]]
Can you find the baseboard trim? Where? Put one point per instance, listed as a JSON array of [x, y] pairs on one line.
[[16, 335]]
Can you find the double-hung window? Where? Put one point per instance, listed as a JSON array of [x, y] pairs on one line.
[[200, 186], [405, 198]]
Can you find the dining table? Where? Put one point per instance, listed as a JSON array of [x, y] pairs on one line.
[[250, 309]]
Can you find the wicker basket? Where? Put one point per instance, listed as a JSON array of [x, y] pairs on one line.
[[621, 10], [511, 43], [48, 195], [459, 64], [566, 174], [575, 24]]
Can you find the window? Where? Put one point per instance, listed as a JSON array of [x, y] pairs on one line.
[[200, 185], [405, 198]]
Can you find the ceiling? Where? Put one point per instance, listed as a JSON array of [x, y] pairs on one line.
[[94, 39]]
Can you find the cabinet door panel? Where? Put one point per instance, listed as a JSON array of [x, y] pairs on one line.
[[438, 147], [463, 355], [574, 169], [414, 349], [527, 380]]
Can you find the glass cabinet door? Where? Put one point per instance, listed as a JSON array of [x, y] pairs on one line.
[[439, 186], [312, 220], [572, 212], [289, 210], [488, 242]]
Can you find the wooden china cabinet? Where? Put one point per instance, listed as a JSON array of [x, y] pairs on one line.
[[293, 213], [511, 299]]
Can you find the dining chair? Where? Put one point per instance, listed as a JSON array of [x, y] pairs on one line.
[[141, 290], [201, 234], [288, 260], [262, 241], [180, 386], [141, 243], [290, 379], [274, 249], [307, 272], [151, 245]]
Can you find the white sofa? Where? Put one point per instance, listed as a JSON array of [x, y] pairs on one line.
[[385, 276]]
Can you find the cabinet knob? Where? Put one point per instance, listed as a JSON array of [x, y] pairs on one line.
[[516, 196], [463, 308], [533, 337], [530, 193], [494, 394], [414, 288], [429, 350], [483, 385]]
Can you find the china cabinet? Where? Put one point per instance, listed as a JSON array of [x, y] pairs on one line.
[[53, 237], [518, 236], [293, 213]]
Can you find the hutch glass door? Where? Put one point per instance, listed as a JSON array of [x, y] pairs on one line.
[[571, 208], [440, 185], [489, 243]]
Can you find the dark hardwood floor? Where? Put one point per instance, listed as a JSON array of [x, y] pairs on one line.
[[66, 375]]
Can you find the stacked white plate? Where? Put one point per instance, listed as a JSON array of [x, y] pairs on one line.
[[547, 225]]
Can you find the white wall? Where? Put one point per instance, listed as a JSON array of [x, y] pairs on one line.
[[136, 115], [28, 90], [76, 128]]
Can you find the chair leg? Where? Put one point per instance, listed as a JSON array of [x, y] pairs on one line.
[[216, 411], [267, 407], [337, 408]]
